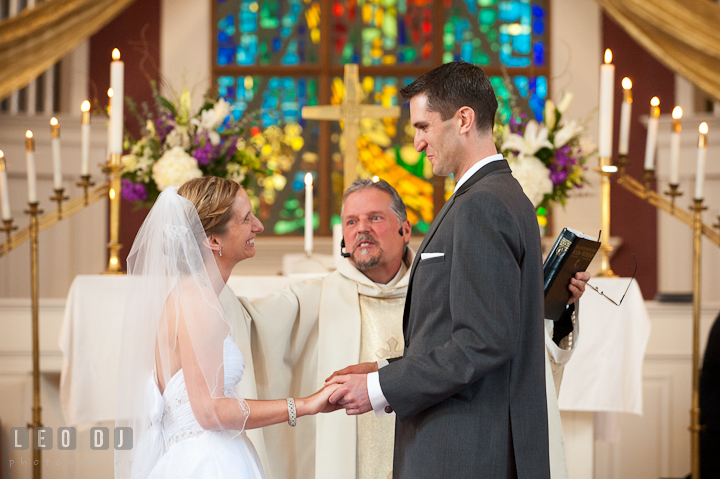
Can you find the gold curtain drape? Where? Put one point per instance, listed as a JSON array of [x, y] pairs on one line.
[[682, 34], [38, 37]]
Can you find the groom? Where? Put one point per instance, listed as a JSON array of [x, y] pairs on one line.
[[469, 391]]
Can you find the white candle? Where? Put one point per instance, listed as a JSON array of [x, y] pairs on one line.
[[85, 139], [55, 145], [652, 127], [625, 114], [607, 76], [675, 146], [702, 153], [308, 213], [4, 195], [107, 125], [117, 72], [30, 159]]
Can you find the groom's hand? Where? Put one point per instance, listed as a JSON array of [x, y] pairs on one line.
[[351, 393], [362, 368]]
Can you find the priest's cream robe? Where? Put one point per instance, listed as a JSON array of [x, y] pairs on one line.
[[302, 334]]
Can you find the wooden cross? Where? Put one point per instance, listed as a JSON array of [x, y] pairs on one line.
[[350, 112]]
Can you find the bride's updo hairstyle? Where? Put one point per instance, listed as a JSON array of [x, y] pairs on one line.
[[213, 198]]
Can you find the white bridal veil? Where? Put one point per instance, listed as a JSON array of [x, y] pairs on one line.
[[173, 320]]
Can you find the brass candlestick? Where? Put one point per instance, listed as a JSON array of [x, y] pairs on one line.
[[622, 163], [649, 178], [115, 187], [59, 197], [695, 426], [8, 228], [34, 212], [673, 193], [605, 170], [85, 183]]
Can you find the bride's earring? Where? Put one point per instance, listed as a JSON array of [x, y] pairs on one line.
[[220, 250]]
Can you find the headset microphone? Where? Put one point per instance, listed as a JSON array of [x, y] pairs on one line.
[[401, 231], [343, 253]]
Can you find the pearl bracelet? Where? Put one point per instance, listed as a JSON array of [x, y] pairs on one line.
[[292, 412]]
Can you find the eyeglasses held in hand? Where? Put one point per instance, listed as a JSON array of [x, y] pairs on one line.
[[626, 290]]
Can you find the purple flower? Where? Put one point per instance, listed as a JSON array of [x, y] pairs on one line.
[[163, 126], [558, 177], [205, 152], [133, 191]]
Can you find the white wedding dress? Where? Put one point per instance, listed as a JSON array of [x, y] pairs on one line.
[[191, 451]]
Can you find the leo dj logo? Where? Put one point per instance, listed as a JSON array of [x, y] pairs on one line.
[[100, 438]]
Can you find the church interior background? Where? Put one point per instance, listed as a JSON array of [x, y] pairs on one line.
[[270, 59]]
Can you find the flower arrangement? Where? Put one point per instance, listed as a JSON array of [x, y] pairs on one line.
[[177, 146], [548, 159]]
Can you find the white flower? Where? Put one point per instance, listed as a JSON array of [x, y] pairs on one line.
[[211, 119], [178, 137], [550, 117], [533, 176], [129, 163], [567, 132], [564, 102], [535, 138], [175, 168]]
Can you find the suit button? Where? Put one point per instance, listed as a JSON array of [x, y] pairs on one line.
[[388, 409]]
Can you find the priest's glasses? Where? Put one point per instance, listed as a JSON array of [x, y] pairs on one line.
[[626, 289]]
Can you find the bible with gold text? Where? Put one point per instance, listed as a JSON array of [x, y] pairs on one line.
[[573, 251]]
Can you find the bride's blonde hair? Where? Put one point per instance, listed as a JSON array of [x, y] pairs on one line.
[[213, 198]]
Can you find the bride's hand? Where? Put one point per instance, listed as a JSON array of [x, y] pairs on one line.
[[318, 402]]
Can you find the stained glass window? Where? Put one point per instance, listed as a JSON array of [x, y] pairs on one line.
[[271, 58]]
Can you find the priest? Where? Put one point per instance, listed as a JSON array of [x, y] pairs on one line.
[[303, 334]]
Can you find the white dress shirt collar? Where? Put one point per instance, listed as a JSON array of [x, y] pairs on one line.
[[474, 168]]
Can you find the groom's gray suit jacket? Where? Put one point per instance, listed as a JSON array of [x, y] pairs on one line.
[[469, 391]]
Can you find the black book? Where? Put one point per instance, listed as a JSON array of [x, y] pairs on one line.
[[573, 251]]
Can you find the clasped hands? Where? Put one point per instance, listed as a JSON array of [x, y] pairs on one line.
[[347, 389]]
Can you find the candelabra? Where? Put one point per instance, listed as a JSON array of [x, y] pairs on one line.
[[700, 229], [605, 170], [85, 183], [8, 228], [34, 212], [59, 198], [113, 168]]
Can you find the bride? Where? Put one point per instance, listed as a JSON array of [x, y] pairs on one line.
[[178, 365]]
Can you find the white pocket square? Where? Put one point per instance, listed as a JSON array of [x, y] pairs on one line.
[[430, 255]]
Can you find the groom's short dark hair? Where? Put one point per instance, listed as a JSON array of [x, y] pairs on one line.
[[454, 85]]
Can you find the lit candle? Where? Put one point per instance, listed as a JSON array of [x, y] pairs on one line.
[[117, 72], [702, 153], [625, 113], [30, 158], [109, 131], [607, 76], [85, 139], [652, 127], [675, 145], [308, 213], [55, 145], [4, 195]]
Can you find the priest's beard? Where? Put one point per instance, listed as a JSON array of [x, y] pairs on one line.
[[365, 262]]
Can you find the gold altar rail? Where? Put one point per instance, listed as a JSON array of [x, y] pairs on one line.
[[64, 210], [651, 196]]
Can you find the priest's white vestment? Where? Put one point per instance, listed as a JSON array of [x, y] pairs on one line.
[[302, 334]]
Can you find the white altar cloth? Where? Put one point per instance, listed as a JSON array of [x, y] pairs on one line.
[[605, 372]]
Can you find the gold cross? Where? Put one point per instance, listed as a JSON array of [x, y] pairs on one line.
[[391, 352], [350, 112]]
